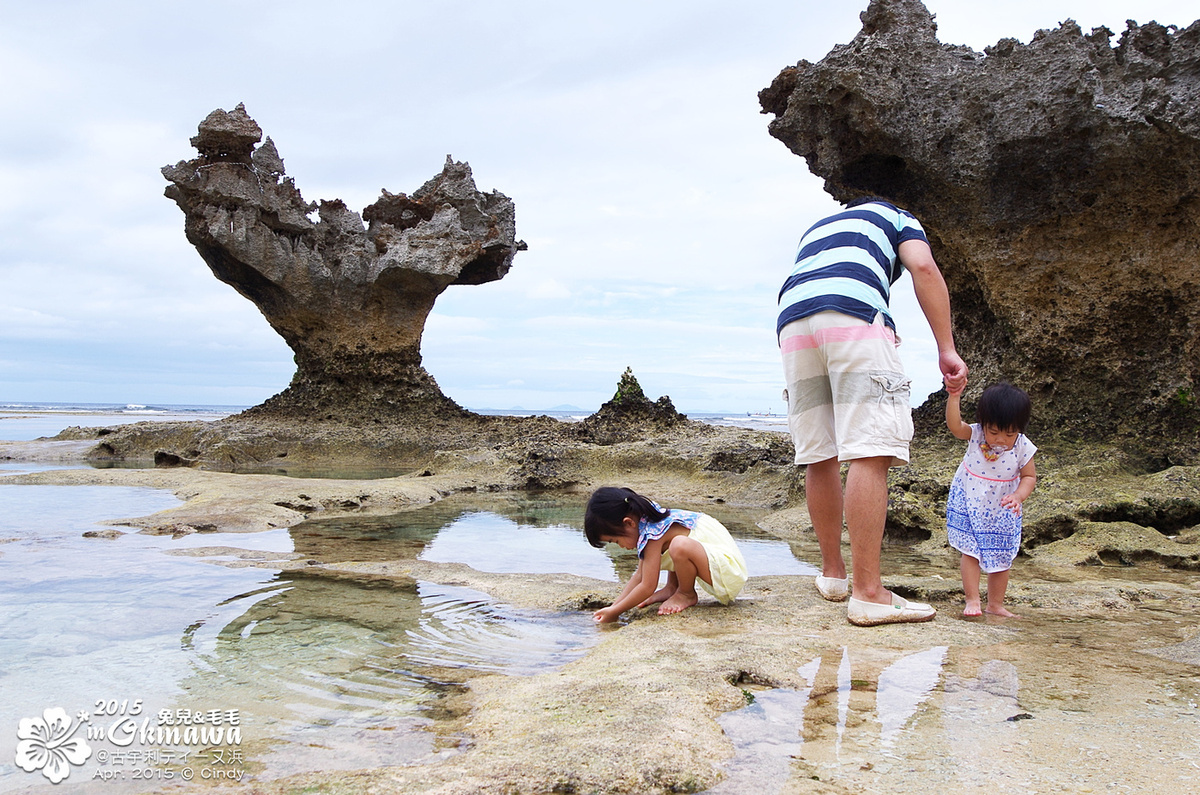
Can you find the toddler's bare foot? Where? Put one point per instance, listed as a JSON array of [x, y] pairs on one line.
[[972, 609], [1001, 611], [678, 603], [661, 595]]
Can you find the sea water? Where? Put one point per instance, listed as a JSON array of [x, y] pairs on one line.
[[27, 421]]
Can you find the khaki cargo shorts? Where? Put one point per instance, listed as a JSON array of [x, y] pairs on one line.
[[847, 393]]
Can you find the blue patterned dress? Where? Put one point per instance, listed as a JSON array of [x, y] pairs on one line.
[[976, 523]]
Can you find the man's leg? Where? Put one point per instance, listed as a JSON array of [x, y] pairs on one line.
[[823, 492], [866, 512]]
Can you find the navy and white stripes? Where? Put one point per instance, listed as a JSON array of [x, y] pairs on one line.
[[847, 263]]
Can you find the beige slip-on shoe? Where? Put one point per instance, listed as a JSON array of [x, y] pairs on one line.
[[900, 611], [833, 589]]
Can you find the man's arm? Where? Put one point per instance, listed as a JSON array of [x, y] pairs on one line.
[[934, 299]]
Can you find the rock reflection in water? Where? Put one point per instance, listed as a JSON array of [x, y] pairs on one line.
[[510, 534], [530, 535], [485, 542]]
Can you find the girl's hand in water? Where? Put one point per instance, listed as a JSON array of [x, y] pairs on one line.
[[605, 616]]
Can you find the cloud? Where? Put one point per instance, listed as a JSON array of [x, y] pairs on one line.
[[659, 213], [549, 290]]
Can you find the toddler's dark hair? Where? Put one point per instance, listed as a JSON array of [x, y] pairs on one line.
[[608, 507], [1004, 406]]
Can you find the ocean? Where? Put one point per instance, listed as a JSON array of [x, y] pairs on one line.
[[28, 421], [20, 422]]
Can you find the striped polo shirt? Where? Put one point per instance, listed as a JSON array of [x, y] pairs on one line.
[[848, 263]]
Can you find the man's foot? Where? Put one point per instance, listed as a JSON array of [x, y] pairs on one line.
[[833, 589], [900, 611], [972, 608], [1000, 611], [678, 603], [661, 595]]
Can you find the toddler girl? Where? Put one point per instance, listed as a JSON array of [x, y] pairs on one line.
[[691, 546], [997, 474]]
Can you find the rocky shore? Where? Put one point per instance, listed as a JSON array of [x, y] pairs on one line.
[[1108, 553]]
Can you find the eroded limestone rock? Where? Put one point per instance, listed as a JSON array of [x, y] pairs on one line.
[[1059, 182], [629, 414], [1118, 544], [350, 300]]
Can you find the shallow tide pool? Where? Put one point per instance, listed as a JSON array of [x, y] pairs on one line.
[[132, 634]]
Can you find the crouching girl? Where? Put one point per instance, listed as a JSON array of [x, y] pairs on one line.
[[693, 547]]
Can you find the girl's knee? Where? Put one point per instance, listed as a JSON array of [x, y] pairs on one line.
[[685, 545], [692, 554]]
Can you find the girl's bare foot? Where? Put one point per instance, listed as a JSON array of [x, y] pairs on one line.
[[661, 595], [972, 609], [678, 603], [1001, 611]]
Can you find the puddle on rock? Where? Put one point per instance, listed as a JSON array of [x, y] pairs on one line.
[[513, 534], [336, 673], [783, 725], [1057, 706]]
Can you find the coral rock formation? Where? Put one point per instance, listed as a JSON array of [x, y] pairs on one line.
[[1059, 182], [350, 300], [629, 415]]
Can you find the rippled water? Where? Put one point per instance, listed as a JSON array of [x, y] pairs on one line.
[[104, 624], [321, 672]]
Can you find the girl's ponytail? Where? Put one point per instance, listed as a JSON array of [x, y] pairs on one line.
[[609, 506], [644, 506]]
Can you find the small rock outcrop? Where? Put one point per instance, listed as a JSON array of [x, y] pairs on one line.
[[629, 414], [349, 299], [1059, 182]]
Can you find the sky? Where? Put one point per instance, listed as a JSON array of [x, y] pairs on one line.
[[660, 215]]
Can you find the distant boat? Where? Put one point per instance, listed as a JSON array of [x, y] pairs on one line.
[[767, 413]]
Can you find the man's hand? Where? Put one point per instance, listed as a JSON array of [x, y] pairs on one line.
[[954, 371]]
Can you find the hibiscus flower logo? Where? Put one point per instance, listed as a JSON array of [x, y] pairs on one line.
[[48, 744]]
